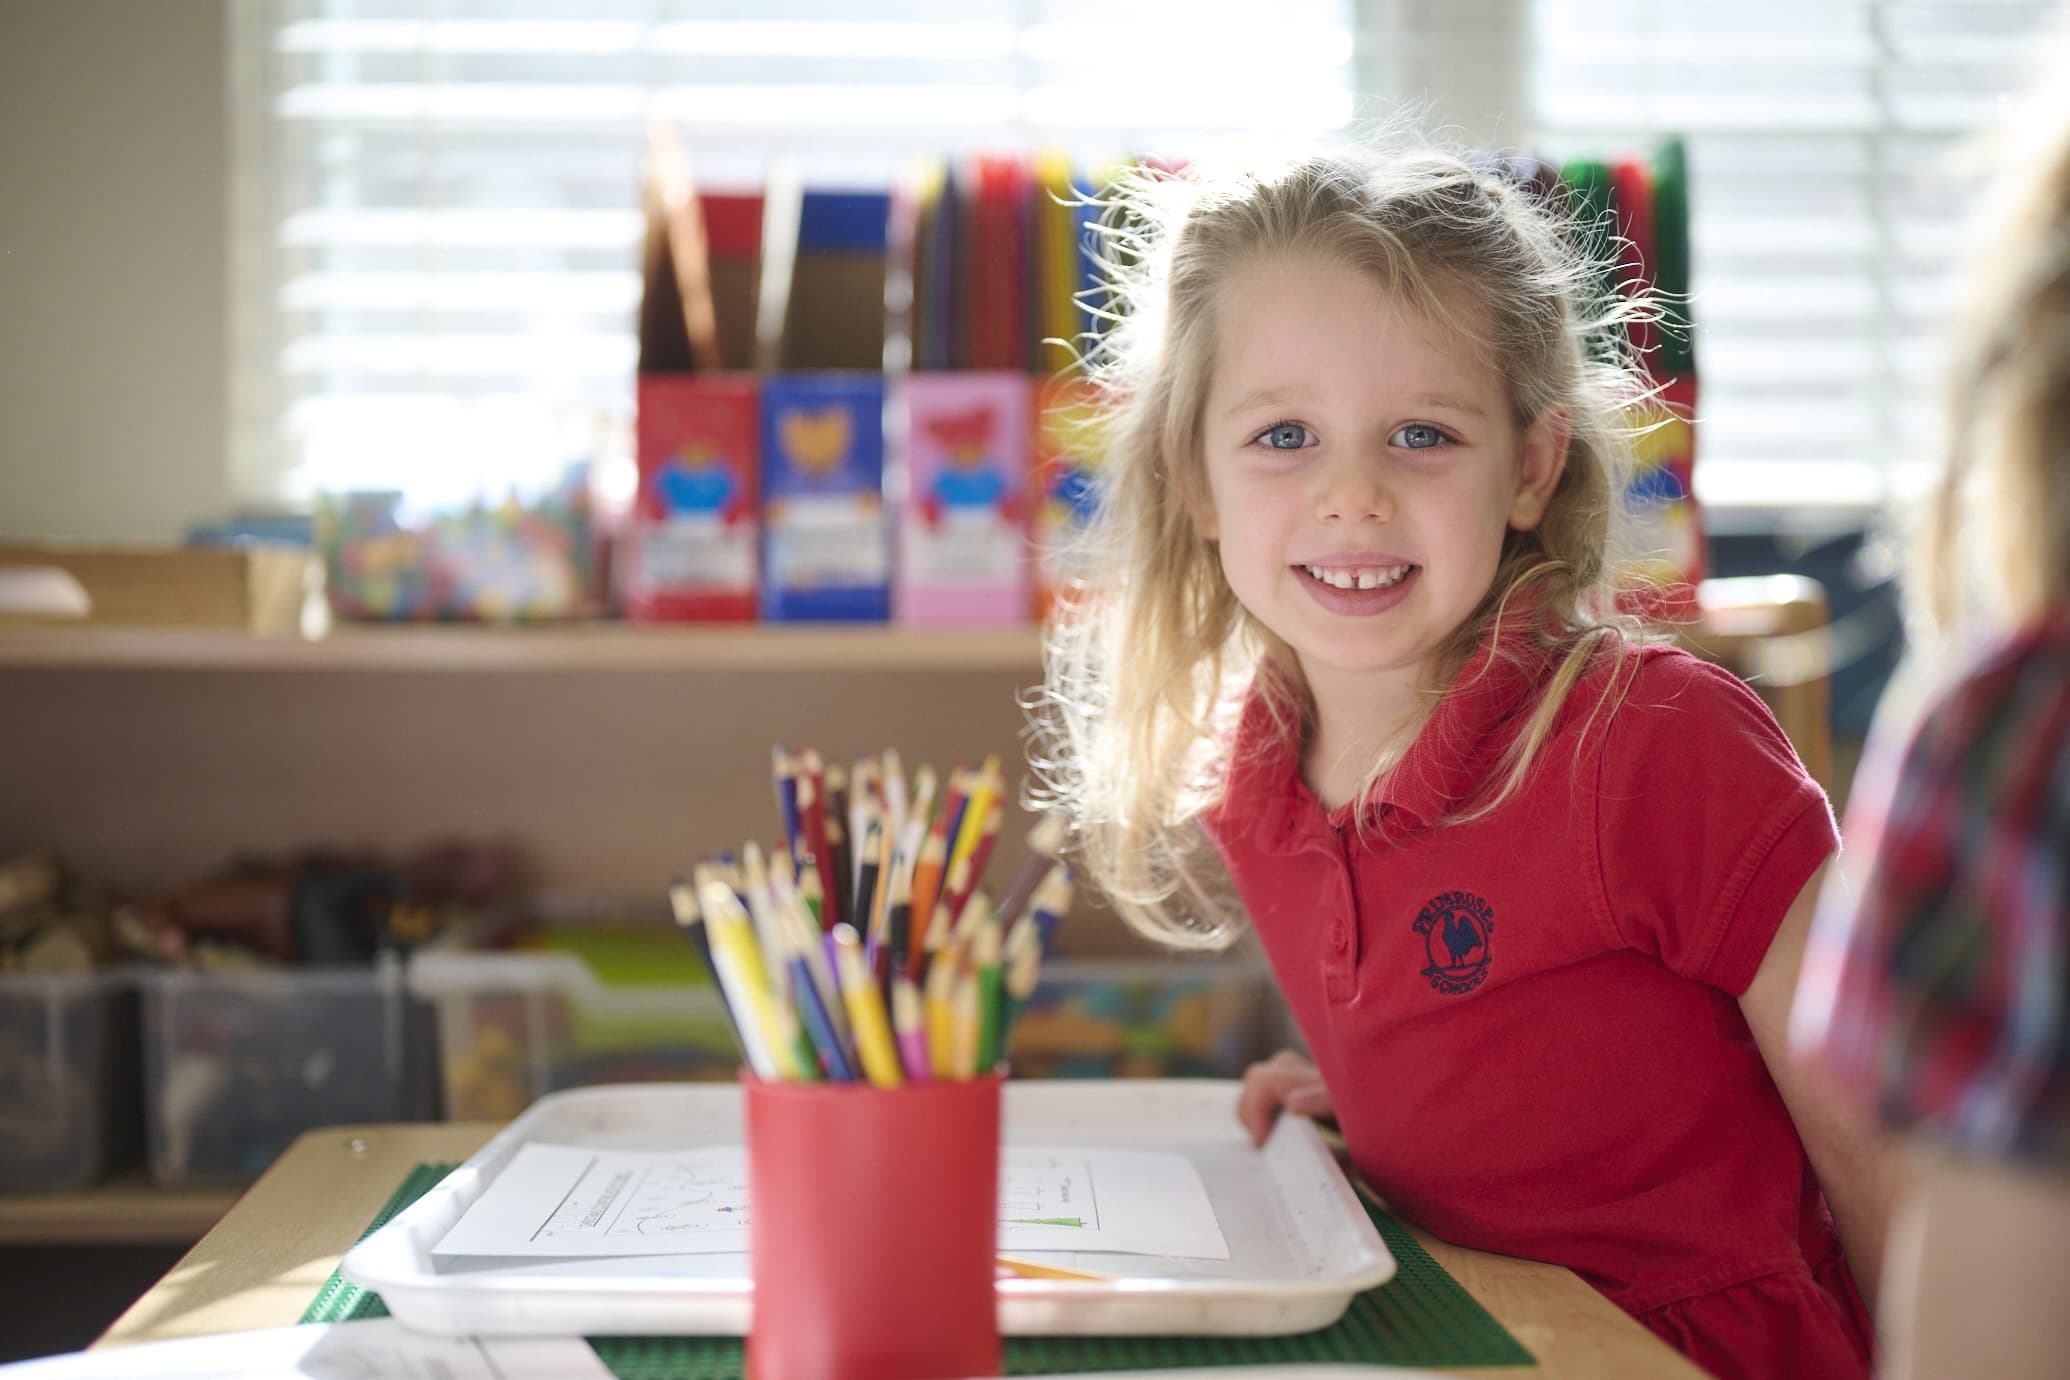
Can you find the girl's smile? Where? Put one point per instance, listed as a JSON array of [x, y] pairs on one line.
[[1358, 587]]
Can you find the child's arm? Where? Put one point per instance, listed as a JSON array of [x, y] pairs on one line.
[[1861, 1169]]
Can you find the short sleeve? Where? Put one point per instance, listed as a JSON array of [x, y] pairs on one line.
[[1937, 974], [1708, 826]]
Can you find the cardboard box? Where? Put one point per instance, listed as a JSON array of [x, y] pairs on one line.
[[827, 553], [693, 548], [962, 542], [259, 588]]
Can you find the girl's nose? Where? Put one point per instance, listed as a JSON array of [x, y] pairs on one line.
[[1353, 490]]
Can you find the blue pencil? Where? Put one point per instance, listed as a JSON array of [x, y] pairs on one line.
[[786, 794], [817, 1023]]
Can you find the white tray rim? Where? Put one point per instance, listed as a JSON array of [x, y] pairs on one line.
[[388, 1263]]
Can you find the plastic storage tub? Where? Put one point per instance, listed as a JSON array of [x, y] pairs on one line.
[[1147, 1018], [68, 1078], [236, 1065], [515, 1026]]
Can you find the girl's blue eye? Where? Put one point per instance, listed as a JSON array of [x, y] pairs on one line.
[[1417, 436], [1285, 436]]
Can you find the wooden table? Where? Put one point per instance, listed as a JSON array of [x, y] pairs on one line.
[[264, 1261]]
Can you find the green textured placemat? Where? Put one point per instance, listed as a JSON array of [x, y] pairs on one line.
[[1421, 1317]]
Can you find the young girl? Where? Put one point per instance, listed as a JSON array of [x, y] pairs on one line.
[[1534, 889], [1938, 983]]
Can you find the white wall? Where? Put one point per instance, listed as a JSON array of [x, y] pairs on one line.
[[113, 267]]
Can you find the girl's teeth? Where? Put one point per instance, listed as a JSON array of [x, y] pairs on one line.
[[1374, 577]]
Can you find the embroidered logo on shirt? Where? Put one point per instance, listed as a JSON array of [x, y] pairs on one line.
[[1456, 927]]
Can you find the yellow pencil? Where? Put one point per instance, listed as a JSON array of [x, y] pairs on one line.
[[977, 811], [941, 1016], [741, 960], [968, 1011], [1028, 1269], [866, 1011]]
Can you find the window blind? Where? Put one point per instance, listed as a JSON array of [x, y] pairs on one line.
[[437, 226], [1829, 195], [437, 201]]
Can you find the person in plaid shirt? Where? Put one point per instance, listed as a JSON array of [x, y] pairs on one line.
[[1936, 983]]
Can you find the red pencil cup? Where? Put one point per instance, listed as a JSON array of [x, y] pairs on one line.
[[873, 1230]]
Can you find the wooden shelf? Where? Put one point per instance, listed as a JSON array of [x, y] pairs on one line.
[[127, 1210], [599, 647]]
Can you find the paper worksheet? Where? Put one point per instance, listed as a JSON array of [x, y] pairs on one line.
[[564, 1200], [372, 1347]]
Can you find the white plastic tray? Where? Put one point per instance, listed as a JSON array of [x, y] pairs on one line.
[[1300, 1245]]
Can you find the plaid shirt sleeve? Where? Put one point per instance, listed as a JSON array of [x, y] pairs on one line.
[[1937, 976]]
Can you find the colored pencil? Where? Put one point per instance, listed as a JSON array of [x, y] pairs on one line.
[[927, 881], [984, 947], [911, 1030], [966, 1023], [1028, 1269], [873, 1039], [754, 883], [1045, 842], [798, 923], [812, 804], [786, 781], [682, 901], [867, 873], [971, 866], [815, 1015], [776, 1034], [940, 993]]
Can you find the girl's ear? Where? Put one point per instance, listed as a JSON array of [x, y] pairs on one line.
[[1544, 461]]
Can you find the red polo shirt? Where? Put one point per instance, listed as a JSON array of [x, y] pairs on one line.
[[1528, 1023]]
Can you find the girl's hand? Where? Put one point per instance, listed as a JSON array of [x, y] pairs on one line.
[[1285, 1082]]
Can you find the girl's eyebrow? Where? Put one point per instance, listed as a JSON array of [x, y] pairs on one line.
[[1451, 404], [1259, 397], [1276, 397]]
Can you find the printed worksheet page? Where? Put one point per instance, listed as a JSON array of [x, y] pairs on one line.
[[563, 1200]]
